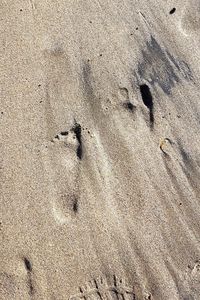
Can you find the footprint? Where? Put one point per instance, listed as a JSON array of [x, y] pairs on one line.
[[62, 161], [99, 288]]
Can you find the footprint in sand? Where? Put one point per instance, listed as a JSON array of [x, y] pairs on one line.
[[63, 156], [100, 288]]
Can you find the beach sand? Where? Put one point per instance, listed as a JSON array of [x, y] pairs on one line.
[[100, 155]]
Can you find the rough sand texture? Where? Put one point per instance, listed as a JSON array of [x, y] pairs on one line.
[[100, 150]]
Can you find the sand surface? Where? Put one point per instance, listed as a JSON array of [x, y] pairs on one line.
[[100, 150]]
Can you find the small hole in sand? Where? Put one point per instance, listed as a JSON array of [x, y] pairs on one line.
[[27, 264], [64, 133], [130, 105], [75, 205], [148, 101], [172, 11], [146, 96]]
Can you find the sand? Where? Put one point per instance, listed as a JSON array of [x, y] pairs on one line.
[[100, 155]]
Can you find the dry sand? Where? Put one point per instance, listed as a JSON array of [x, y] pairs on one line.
[[100, 154]]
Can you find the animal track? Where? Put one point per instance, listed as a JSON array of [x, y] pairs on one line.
[[100, 289]]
